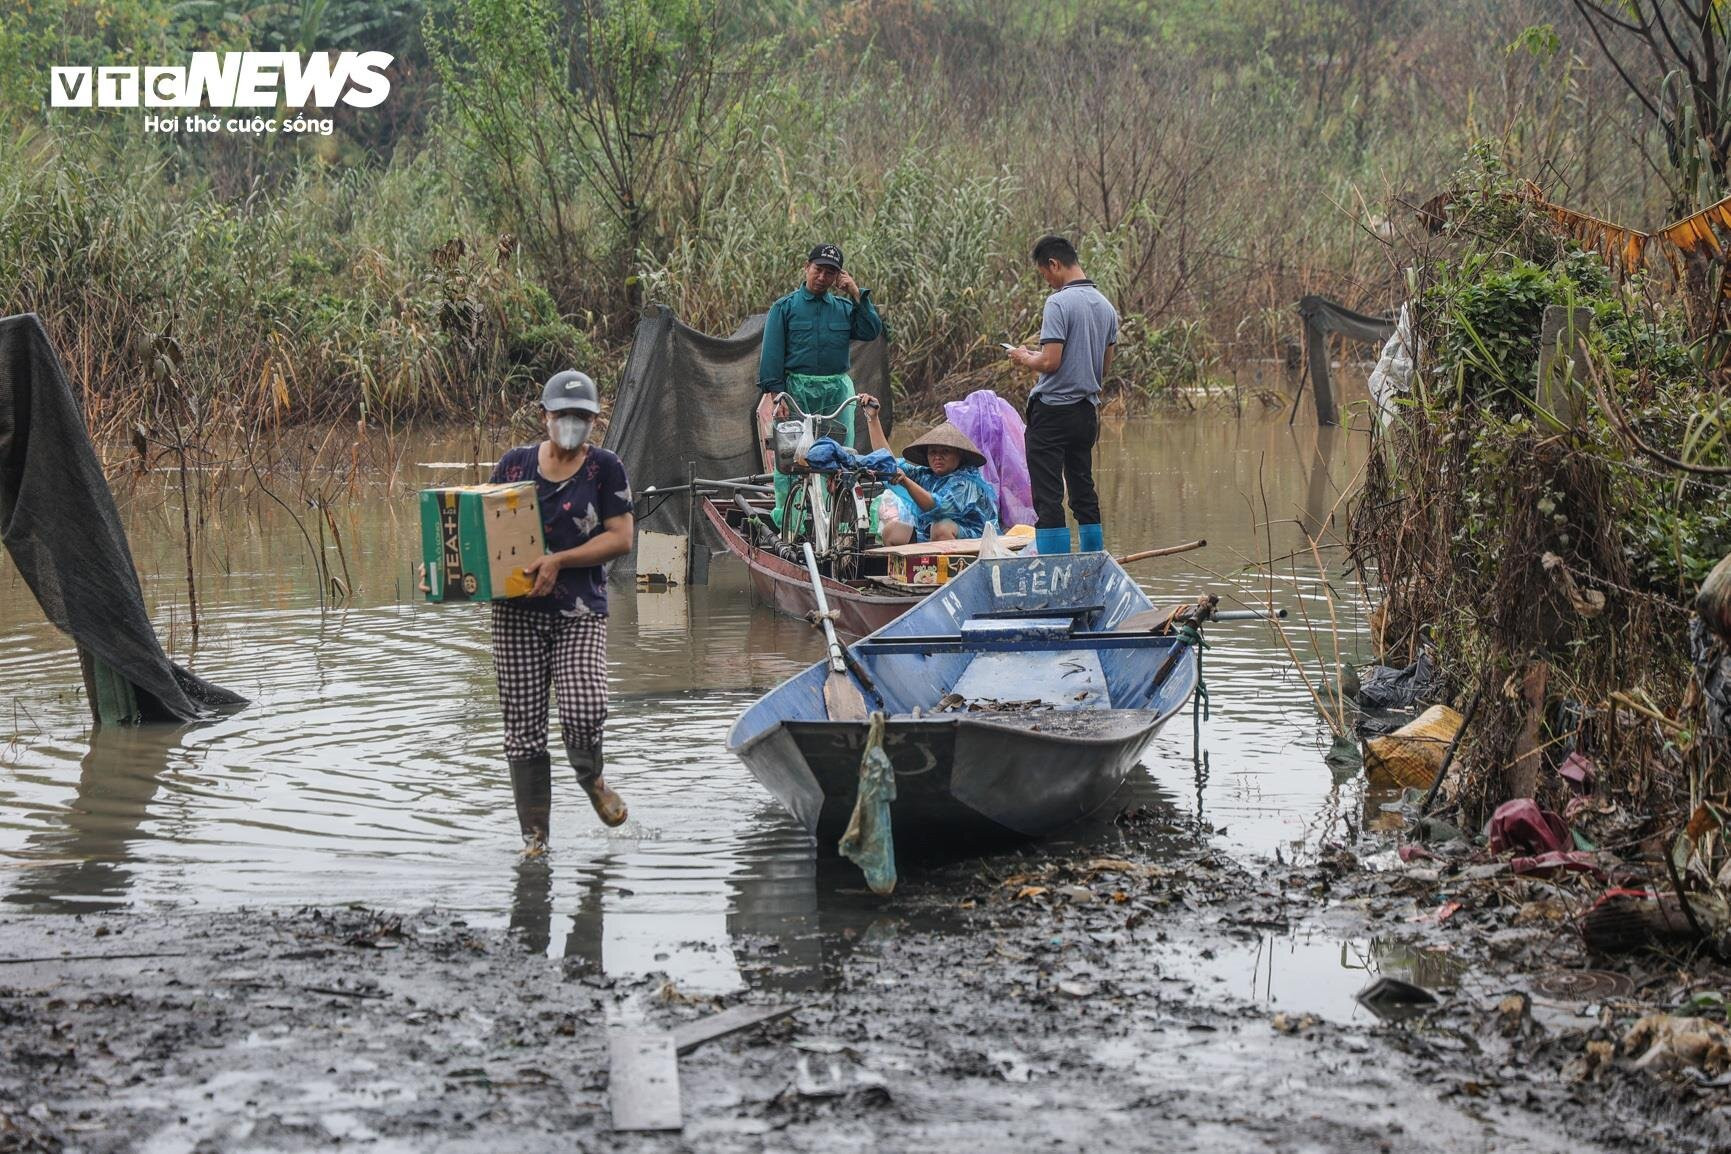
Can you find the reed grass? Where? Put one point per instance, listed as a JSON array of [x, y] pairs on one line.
[[516, 221]]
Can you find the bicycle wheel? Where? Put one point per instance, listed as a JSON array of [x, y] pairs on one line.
[[794, 521], [847, 536]]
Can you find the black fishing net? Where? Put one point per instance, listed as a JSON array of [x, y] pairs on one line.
[[1322, 317], [59, 523]]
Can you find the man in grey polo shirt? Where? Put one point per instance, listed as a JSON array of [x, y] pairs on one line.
[[1078, 334]]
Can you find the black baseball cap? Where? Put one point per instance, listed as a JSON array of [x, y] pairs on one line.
[[827, 255], [571, 391]]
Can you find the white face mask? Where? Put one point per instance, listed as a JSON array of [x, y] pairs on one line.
[[569, 430]]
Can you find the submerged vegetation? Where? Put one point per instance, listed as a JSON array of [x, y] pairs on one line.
[[544, 168]]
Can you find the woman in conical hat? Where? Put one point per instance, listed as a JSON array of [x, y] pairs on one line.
[[938, 492]]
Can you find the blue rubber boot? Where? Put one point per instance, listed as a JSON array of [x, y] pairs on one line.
[[1090, 539], [1052, 541]]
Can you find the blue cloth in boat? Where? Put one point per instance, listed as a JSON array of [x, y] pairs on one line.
[[826, 455]]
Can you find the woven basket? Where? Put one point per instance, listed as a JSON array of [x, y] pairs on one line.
[[1410, 756]]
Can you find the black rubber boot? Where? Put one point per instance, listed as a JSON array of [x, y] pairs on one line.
[[588, 763], [532, 785]]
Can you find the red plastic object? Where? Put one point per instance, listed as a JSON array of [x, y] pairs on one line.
[[1520, 826]]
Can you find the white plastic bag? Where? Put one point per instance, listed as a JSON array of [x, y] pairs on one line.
[[992, 545], [1392, 377]]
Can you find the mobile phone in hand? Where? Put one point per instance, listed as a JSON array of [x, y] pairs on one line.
[[1008, 348]]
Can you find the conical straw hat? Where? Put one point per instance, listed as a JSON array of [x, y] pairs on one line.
[[946, 436]]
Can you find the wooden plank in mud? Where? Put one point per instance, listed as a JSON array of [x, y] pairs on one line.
[[690, 1035], [643, 1082]]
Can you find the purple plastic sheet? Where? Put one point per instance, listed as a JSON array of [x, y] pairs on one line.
[[993, 424]]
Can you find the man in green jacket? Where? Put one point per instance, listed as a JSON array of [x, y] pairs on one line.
[[806, 342]]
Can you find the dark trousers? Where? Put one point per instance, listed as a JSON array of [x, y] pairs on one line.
[[1060, 446]]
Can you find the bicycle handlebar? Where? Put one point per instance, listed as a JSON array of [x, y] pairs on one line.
[[793, 407]]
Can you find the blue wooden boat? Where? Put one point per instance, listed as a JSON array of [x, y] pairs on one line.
[[1014, 703]]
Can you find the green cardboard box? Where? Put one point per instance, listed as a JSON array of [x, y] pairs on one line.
[[475, 540]]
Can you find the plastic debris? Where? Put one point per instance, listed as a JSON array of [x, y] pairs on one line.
[[1580, 773], [868, 841], [838, 1076], [1521, 827], [1412, 754], [1384, 687], [1392, 999]]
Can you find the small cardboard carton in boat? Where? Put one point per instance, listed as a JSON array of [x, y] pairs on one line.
[[925, 564], [475, 540]]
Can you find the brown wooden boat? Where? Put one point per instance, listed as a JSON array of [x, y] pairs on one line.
[[861, 603]]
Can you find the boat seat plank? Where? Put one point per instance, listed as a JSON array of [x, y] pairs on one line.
[[1150, 620], [954, 643], [1041, 611], [1018, 627]]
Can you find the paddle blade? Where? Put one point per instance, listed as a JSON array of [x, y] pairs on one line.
[[842, 698]]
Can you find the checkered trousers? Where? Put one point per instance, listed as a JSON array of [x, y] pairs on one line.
[[532, 649]]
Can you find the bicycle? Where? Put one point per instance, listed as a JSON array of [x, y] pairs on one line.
[[835, 504]]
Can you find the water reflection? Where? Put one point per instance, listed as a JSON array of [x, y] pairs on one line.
[[80, 863], [768, 932], [792, 916], [1322, 489], [532, 905], [1312, 971], [532, 909]]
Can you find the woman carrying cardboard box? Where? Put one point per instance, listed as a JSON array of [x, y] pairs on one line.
[[557, 636]]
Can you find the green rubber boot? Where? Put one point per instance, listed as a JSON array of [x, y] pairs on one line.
[[609, 806], [532, 786]]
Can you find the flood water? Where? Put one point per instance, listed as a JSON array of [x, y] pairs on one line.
[[368, 770]]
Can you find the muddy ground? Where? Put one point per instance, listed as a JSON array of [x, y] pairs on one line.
[[1013, 1003]]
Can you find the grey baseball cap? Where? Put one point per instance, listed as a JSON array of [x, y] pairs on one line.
[[571, 391]]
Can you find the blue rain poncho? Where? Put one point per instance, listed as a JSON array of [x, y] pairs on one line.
[[964, 497]]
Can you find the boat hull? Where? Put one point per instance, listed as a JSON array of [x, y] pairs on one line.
[[1022, 776], [785, 586]]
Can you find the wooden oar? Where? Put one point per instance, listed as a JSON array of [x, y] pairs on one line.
[[840, 695], [1166, 552]]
